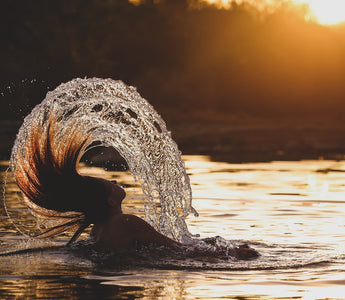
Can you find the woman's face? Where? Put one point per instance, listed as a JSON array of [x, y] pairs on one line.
[[116, 195]]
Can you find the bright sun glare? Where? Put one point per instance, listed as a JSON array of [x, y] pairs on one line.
[[327, 12]]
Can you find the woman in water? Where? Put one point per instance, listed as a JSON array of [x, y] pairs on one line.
[[53, 189], [123, 231]]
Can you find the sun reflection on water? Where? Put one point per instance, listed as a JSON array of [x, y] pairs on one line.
[[289, 202], [292, 212]]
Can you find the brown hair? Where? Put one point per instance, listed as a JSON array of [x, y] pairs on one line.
[[45, 169]]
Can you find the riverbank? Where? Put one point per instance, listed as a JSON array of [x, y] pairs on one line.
[[240, 138], [245, 138]]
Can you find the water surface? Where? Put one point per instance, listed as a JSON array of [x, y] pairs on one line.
[[291, 212]]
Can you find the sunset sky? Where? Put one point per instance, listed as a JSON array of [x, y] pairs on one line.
[[261, 58], [326, 12]]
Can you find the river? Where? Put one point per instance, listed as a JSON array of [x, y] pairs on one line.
[[292, 212]]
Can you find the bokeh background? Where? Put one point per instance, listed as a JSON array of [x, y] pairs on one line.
[[238, 80]]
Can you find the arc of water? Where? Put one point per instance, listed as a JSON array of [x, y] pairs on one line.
[[115, 114]]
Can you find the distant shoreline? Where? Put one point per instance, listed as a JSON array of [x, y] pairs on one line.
[[234, 143]]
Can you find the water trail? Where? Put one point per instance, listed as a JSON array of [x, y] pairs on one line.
[[8, 215], [113, 114]]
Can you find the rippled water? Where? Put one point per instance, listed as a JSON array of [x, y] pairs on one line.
[[291, 212]]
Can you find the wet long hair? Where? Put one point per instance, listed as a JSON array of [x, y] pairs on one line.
[[46, 171]]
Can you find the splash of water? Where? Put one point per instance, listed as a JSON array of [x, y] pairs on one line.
[[113, 114]]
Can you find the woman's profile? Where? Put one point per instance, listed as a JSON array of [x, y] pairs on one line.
[[54, 189]]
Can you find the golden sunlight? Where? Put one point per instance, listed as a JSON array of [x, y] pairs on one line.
[[326, 12]]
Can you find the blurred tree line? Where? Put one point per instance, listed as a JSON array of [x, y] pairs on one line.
[[187, 61]]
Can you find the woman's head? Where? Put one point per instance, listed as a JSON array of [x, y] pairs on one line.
[[114, 194], [96, 198]]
